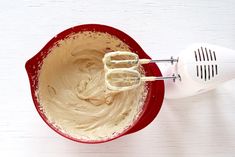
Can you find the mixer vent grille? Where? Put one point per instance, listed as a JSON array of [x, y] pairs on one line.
[[205, 70]]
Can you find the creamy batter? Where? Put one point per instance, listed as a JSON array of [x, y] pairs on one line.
[[72, 91]]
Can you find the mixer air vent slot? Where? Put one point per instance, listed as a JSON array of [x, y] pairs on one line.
[[209, 74], [212, 70], [214, 55], [207, 56], [210, 55], [195, 55], [205, 74], [201, 71], [203, 55], [199, 54], [197, 71], [216, 70]]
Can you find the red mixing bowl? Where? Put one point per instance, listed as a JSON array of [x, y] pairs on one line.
[[154, 97]]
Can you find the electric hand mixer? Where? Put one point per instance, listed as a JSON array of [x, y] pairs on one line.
[[199, 68]]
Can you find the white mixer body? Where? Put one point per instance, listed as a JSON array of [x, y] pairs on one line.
[[201, 67]]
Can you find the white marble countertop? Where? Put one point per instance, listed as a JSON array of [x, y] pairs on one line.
[[203, 125]]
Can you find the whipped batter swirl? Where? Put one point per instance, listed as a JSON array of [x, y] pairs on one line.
[[72, 91]]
